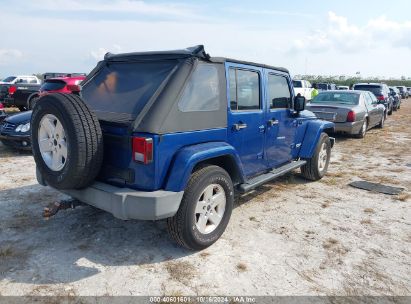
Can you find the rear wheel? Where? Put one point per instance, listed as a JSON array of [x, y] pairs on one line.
[[32, 102], [382, 121], [205, 209], [316, 166], [363, 129]]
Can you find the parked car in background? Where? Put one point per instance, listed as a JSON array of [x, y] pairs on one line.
[[403, 91], [323, 86], [15, 131], [380, 90], [16, 95], [395, 93], [56, 85], [409, 91], [218, 135], [20, 79], [342, 87], [353, 112], [302, 87]]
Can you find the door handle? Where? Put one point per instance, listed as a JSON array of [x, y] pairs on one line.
[[239, 126], [272, 122]]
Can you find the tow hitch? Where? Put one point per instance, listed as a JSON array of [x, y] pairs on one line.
[[55, 207]]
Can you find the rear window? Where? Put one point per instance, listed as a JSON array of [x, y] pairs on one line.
[[297, 84], [377, 90], [202, 91], [9, 79], [122, 89], [322, 86], [53, 85], [340, 98]]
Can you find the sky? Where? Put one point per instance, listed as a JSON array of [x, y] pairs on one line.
[[307, 37]]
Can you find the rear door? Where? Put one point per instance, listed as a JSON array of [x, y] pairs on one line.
[[246, 116], [373, 109], [280, 121]]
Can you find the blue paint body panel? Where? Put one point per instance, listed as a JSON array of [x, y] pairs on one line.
[[312, 134], [255, 149], [189, 156]]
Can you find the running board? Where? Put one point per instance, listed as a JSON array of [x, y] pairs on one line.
[[263, 178]]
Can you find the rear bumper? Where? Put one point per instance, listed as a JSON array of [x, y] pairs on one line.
[[125, 203], [348, 127]]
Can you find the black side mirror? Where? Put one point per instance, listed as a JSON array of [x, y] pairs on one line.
[[299, 103]]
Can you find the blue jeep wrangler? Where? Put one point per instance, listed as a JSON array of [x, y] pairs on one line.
[[174, 135]]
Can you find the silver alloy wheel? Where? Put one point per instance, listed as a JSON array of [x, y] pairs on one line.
[[210, 208], [322, 157], [52, 142]]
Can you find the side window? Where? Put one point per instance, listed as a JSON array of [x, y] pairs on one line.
[[308, 84], [279, 95], [244, 90], [202, 91]]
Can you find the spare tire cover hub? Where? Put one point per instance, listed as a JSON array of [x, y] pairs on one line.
[[52, 142]]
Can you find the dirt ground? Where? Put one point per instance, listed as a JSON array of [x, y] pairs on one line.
[[290, 237]]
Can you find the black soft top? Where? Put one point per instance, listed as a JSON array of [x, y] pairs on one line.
[[160, 114], [195, 51]]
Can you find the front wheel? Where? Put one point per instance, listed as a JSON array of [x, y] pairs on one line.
[[205, 209], [316, 166]]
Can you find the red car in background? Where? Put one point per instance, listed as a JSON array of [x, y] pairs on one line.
[[15, 129], [67, 85]]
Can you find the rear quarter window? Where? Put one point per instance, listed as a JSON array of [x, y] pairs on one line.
[[202, 91]]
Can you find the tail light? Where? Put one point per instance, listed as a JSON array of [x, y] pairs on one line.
[[351, 116], [381, 97], [142, 150], [12, 90], [74, 88]]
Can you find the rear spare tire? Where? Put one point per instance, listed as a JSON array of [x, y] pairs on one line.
[[67, 141]]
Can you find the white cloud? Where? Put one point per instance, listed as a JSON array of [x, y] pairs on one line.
[[7, 56], [340, 35]]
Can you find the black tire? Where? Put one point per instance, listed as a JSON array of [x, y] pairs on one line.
[[390, 111], [84, 141], [311, 169], [182, 226], [382, 122], [31, 103], [363, 130]]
